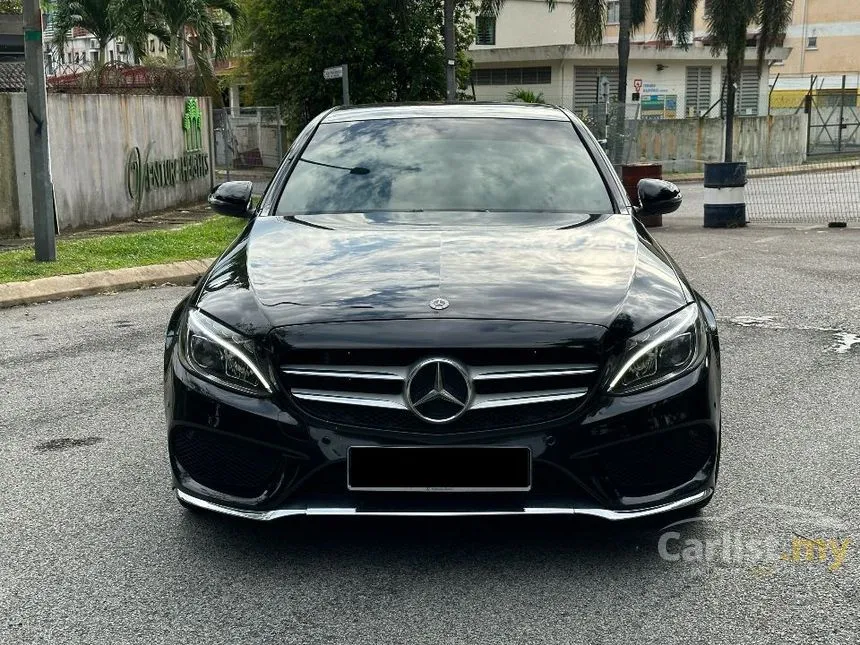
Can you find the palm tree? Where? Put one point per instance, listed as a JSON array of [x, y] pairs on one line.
[[728, 24], [205, 28], [93, 15], [589, 25]]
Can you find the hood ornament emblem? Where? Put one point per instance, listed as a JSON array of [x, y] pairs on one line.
[[438, 304]]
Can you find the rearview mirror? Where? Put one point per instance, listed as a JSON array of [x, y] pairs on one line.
[[232, 198], [657, 197]]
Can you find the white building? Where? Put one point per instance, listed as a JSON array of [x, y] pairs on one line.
[[528, 47]]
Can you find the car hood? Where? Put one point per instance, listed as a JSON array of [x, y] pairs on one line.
[[594, 270]]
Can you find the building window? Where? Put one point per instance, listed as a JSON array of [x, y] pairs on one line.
[[110, 53], [513, 76], [152, 45], [747, 96], [613, 9], [698, 90], [812, 42], [485, 30], [161, 47]]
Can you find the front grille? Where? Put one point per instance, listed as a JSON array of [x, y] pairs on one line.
[[658, 462], [226, 465], [366, 389]]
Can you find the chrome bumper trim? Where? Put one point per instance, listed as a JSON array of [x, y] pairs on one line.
[[538, 510]]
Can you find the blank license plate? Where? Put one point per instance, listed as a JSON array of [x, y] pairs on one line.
[[443, 469]]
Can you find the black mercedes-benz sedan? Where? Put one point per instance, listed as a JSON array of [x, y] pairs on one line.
[[443, 310]]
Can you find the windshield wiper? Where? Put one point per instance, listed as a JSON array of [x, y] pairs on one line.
[[357, 170]]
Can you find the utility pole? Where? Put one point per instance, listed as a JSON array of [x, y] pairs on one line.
[[37, 117], [450, 56]]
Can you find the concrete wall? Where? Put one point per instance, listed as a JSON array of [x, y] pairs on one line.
[[683, 145], [8, 186], [91, 137]]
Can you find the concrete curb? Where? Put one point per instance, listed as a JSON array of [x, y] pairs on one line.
[[87, 284]]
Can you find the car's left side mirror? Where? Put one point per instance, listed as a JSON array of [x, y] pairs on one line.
[[657, 197], [232, 198]]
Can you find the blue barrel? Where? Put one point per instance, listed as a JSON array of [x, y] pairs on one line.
[[725, 202]]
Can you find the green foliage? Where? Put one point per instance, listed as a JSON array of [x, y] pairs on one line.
[[203, 27], [394, 50], [10, 6], [525, 96]]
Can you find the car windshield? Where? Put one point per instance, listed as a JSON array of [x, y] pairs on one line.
[[445, 164]]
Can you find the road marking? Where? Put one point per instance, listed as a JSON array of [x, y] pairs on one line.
[[768, 239], [714, 254]]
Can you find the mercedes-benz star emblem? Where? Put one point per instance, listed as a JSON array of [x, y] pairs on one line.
[[439, 304], [438, 390]]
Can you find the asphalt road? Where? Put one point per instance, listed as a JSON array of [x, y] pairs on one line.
[[94, 548]]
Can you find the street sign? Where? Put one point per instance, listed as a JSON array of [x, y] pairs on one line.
[[603, 89], [331, 73], [637, 85], [341, 72]]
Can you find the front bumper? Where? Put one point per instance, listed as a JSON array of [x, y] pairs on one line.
[[603, 513], [615, 458]]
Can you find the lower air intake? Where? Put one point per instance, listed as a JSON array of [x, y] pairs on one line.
[[229, 466]]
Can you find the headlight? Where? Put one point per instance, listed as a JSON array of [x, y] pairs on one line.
[[661, 353], [223, 355]]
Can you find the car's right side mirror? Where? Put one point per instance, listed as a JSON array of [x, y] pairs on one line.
[[232, 198], [657, 197]]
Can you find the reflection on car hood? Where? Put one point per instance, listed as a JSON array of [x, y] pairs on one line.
[[349, 267]]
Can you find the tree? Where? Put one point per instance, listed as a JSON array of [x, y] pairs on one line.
[[394, 49], [728, 25], [93, 15], [589, 25], [206, 28], [10, 6]]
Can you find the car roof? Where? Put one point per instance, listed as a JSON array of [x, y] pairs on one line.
[[453, 110]]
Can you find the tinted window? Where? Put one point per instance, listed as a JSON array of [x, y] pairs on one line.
[[445, 164]]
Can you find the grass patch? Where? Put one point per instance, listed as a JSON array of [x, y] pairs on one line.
[[191, 242]]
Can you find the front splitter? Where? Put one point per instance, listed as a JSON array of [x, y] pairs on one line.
[[607, 514]]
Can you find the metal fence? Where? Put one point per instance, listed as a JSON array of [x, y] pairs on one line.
[[249, 141], [814, 193]]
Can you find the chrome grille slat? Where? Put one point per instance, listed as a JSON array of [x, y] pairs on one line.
[[352, 398], [529, 371], [378, 373], [486, 401]]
